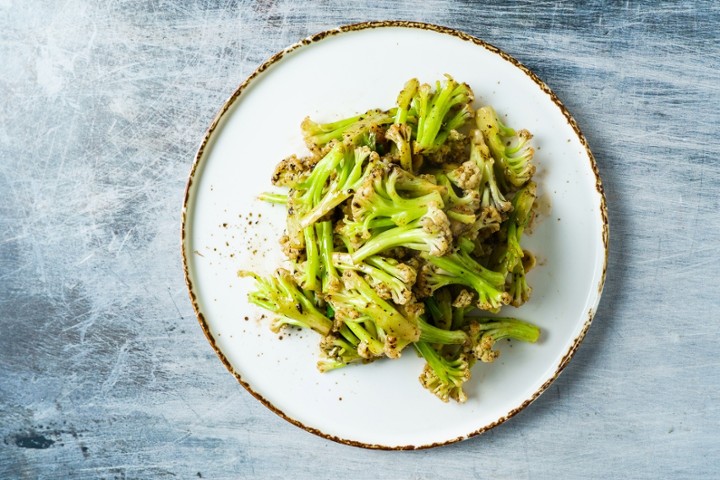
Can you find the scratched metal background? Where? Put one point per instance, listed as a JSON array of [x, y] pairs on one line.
[[104, 372]]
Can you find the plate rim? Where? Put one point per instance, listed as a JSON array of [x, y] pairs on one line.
[[317, 37]]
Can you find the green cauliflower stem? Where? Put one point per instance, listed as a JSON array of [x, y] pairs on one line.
[[483, 335], [308, 272], [439, 306], [433, 334], [328, 272], [274, 197]]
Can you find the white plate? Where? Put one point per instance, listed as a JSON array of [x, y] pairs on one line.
[[337, 74]]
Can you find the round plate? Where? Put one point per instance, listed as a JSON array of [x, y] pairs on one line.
[[340, 73]]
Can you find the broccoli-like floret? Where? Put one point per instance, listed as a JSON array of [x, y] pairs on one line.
[[509, 148], [309, 193], [483, 335], [359, 296], [350, 175], [296, 255], [400, 133], [355, 340], [487, 223], [430, 233], [520, 216], [293, 230], [311, 189], [459, 268], [453, 151], [461, 208], [440, 112], [444, 377], [350, 130], [378, 197], [400, 136], [291, 171], [279, 294], [519, 289], [467, 176], [404, 99], [463, 299], [391, 281], [491, 196]]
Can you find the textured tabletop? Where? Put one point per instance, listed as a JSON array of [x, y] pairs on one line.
[[104, 371]]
